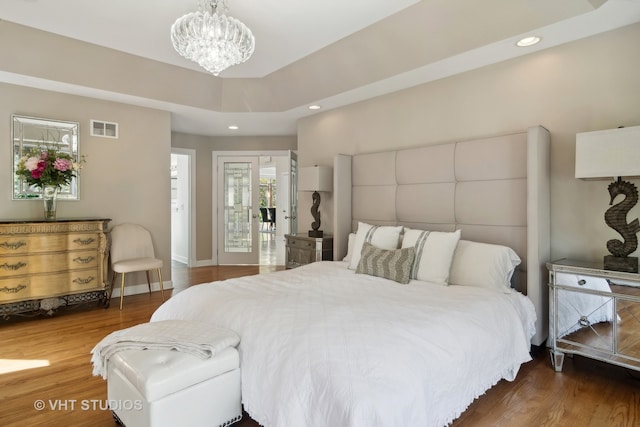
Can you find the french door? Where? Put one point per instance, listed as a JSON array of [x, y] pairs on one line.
[[238, 210]]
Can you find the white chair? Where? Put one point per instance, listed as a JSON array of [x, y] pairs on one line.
[[132, 250]]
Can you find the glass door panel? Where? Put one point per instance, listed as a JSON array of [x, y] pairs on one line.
[[293, 193], [238, 190]]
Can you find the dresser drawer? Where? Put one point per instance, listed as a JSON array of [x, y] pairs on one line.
[[15, 289], [25, 244], [45, 286], [49, 285], [47, 263]]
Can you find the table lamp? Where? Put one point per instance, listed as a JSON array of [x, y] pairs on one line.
[[614, 153], [316, 179]]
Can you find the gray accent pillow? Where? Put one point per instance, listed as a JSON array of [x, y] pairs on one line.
[[393, 264]]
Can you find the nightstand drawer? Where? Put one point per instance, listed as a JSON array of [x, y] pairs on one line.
[[579, 281], [301, 244]]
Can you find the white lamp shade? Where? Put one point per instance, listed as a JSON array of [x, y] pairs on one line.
[[315, 178], [608, 153]]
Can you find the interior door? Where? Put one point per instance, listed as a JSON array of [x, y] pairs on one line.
[[238, 210], [290, 212], [287, 205]]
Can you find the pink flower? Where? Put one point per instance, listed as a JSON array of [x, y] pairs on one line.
[[36, 173], [31, 163], [62, 165]]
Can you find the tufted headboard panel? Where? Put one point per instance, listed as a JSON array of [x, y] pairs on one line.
[[494, 189]]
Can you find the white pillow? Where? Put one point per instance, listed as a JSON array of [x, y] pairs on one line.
[[483, 265], [383, 237], [434, 253], [350, 243]]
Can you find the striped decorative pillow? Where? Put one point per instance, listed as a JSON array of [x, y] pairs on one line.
[[384, 237], [434, 253], [393, 264]]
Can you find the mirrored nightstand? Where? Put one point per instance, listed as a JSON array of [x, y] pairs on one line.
[[302, 249], [594, 313]]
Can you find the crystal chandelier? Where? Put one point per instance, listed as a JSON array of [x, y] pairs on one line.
[[212, 39]]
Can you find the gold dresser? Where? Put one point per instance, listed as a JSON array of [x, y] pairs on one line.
[[49, 264]]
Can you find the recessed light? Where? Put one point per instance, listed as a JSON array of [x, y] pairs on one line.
[[528, 41], [233, 127], [314, 107]]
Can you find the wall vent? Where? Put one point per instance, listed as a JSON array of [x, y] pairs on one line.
[[104, 129]]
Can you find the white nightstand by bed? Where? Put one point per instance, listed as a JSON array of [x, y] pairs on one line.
[[594, 313]]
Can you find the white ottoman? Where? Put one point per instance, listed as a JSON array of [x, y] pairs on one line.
[[159, 388]]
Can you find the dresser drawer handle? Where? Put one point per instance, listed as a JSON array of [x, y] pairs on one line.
[[582, 282], [13, 245], [85, 260], [16, 266], [13, 290], [84, 241], [81, 281]]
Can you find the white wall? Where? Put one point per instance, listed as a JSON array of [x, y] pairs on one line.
[[125, 179], [586, 85]]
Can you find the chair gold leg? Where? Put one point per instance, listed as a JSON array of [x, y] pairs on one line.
[[113, 281], [122, 291], [161, 287], [148, 281]]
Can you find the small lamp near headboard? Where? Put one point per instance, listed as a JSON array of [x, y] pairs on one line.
[[316, 179], [614, 153]]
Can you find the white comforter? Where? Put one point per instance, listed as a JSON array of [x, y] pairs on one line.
[[321, 346]]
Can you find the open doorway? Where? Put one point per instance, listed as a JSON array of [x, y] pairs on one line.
[[182, 206], [268, 201]]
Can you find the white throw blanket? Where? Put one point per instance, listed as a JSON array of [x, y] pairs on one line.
[[197, 338]]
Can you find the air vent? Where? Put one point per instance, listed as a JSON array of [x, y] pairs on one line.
[[104, 129]]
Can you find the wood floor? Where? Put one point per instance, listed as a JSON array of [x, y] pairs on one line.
[[47, 360]]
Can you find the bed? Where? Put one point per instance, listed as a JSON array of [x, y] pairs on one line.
[[412, 325]]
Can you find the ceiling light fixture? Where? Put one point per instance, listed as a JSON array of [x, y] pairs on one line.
[[210, 38], [233, 127], [528, 41], [314, 107]]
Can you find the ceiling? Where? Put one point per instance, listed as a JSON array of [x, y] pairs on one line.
[[433, 39]]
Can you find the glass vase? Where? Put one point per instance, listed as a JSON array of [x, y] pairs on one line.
[[50, 196]]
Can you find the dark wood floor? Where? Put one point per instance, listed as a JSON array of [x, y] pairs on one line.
[[47, 359]]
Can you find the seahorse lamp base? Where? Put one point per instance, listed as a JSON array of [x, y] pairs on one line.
[[618, 263]]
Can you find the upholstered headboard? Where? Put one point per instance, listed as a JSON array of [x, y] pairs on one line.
[[494, 189]]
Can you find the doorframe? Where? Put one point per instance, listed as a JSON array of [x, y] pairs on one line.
[[215, 155], [191, 219]]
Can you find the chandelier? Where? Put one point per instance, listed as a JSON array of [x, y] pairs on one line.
[[210, 38]]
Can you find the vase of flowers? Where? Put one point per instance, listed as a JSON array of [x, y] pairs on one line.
[[48, 170]]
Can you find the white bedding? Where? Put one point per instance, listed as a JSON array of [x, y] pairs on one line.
[[323, 346]]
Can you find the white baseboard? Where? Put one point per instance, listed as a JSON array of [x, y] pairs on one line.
[[142, 288], [204, 263], [179, 258]]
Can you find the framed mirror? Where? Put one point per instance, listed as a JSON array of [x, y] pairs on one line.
[[30, 135]]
